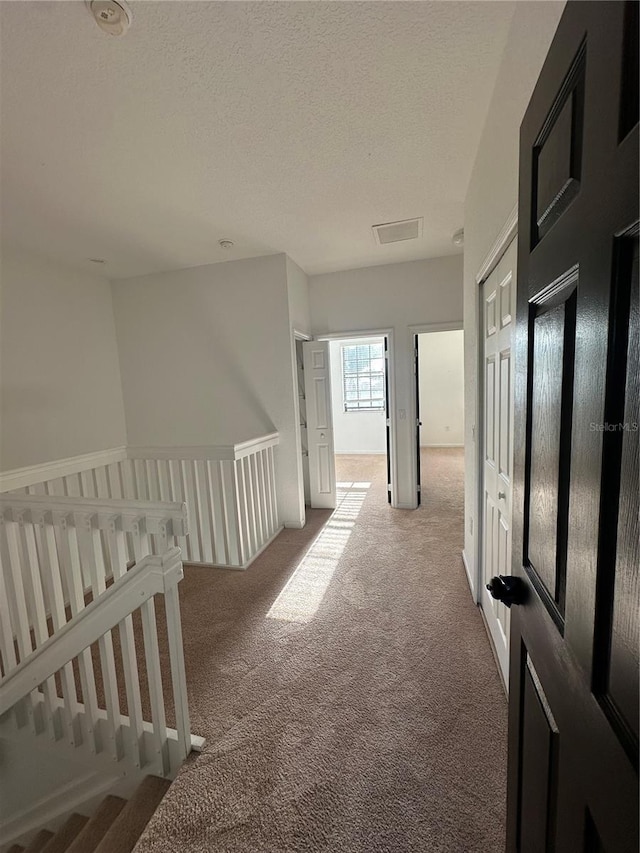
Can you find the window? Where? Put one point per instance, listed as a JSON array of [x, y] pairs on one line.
[[363, 377]]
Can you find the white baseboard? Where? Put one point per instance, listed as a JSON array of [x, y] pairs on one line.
[[360, 453], [468, 572], [442, 445], [19, 478]]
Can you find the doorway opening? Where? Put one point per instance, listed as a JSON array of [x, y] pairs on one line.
[[360, 406], [345, 398], [439, 372]]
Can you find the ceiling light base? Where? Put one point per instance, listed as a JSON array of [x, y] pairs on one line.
[[112, 16]]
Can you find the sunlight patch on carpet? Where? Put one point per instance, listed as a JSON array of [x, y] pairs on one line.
[[305, 589]]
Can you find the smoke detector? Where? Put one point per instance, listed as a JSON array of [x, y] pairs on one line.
[[394, 232], [112, 17], [458, 238], [225, 244]]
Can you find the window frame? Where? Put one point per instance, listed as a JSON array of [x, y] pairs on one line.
[[348, 406]]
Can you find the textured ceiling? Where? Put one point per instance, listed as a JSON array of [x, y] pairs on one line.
[[286, 127]]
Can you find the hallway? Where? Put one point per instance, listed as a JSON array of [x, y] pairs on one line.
[[345, 686]]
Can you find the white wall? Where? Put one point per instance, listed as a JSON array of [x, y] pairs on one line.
[[394, 296], [206, 358], [492, 194], [60, 378], [354, 432], [441, 369]]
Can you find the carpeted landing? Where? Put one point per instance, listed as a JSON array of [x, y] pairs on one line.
[[345, 686]]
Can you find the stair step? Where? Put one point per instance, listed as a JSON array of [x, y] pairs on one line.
[[16, 848], [38, 843], [97, 827], [67, 833], [133, 818]]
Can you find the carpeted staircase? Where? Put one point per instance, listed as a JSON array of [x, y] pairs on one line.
[[114, 828]]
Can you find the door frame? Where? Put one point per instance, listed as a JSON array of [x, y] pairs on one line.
[[507, 234], [421, 329], [297, 335], [391, 414]]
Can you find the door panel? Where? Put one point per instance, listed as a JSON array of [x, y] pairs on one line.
[[550, 402], [574, 640], [625, 636], [540, 740], [317, 375], [498, 300]]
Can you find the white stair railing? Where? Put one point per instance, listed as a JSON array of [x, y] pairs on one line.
[[65, 587], [230, 491]]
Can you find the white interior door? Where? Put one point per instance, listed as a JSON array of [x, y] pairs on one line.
[[498, 301], [317, 383]]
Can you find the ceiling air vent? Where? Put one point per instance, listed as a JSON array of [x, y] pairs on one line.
[[394, 232]]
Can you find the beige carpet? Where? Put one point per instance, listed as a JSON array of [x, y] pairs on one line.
[[349, 699]]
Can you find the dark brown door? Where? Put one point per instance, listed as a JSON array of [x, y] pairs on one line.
[[573, 706]]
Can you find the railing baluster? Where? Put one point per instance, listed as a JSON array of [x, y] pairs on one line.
[[91, 554], [140, 539], [142, 484], [51, 565], [248, 479], [102, 484], [39, 621], [176, 493], [156, 697], [229, 532], [151, 473], [272, 487], [114, 480], [88, 487], [68, 550], [191, 497], [72, 485], [215, 508], [9, 659], [248, 484], [218, 544], [118, 550], [127, 477], [56, 487], [178, 675], [206, 510], [241, 514], [257, 489], [265, 494], [21, 615], [162, 473]]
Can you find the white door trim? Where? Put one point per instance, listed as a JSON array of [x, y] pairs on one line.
[[421, 329], [297, 335], [497, 250], [508, 232], [379, 333]]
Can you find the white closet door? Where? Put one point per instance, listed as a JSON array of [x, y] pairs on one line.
[[498, 301], [317, 382]]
